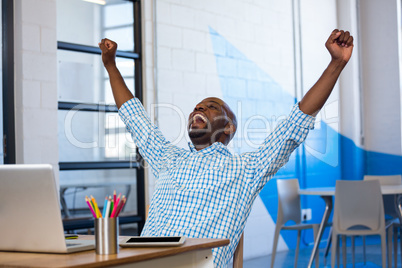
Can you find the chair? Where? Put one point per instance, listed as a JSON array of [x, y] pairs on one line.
[[358, 210], [390, 211], [289, 209], [238, 254]]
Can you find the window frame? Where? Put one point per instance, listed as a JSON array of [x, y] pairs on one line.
[[91, 107], [8, 140]]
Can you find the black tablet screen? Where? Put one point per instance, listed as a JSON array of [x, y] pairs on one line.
[[153, 239]]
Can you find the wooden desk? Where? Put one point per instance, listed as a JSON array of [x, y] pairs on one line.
[[327, 194], [196, 252]]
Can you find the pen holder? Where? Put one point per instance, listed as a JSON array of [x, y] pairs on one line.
[[106, 236]]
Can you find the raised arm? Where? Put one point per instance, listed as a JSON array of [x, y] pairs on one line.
[[340, 46], [120, 91]]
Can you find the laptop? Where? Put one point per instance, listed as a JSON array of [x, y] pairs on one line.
[[30, 217]]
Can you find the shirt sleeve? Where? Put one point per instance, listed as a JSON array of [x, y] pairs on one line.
[[148, 138], [276, 149]]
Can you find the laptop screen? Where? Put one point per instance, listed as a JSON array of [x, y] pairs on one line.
[[29, 208]]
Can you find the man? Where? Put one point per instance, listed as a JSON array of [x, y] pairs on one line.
[[207, 191]]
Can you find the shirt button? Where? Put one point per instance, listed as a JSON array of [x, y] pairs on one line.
[[176, 202], [182, 187]]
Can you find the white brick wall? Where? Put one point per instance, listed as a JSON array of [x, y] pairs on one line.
[[186, 68], [36, 82], [184, 48], [169, 36]]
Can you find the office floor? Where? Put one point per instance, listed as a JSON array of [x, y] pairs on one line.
[[285, 259]]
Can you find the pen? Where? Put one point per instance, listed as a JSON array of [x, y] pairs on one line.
[[70, 236]]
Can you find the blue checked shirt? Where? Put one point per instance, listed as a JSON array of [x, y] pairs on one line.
[[208, 193]]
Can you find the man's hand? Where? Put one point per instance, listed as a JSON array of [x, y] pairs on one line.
[[120, 91], [109, 49], [340, 45]]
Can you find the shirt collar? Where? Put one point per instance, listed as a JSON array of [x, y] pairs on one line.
[[216, 147]]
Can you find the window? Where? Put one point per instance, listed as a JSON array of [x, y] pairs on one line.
[[96, 154], [1, 111]]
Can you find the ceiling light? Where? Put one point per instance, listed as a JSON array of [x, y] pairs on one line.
[[99, 2]]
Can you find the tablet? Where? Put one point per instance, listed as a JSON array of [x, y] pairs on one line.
[[157, 241]]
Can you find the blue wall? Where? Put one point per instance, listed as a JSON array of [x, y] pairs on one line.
[[324, 157]]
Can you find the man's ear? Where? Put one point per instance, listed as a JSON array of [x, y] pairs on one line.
[[230, 129]]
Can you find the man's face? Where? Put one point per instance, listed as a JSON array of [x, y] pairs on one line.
[[207, 122]]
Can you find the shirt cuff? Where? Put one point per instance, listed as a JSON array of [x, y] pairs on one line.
[[301, 119]]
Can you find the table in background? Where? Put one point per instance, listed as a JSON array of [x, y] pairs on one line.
[[195, 252], [327, 193], [65, 187], [72, 223]]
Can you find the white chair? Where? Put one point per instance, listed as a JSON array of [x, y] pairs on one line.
[[358, 210], [390, 211], [289, 209]]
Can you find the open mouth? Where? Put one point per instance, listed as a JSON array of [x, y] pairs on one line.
[[199, 118], [198, 121]]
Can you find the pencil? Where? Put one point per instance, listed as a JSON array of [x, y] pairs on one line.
[[111, 207], [114, 196], [109, 201], [118, 199], [104, 207], [122, 205], [116, 205], [118, 208], [90, 206], [96, 208]]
